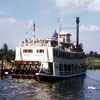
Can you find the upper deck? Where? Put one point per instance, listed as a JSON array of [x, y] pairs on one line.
[[47, 50], [62, 41]]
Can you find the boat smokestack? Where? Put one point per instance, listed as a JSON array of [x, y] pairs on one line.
[[77, 31]]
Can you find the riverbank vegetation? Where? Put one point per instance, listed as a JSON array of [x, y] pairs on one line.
[[93, 60], [7, 55]]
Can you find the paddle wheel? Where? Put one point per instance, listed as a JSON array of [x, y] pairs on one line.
[[24, 71]]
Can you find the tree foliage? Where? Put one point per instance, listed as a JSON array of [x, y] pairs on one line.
[[93, 54], [55, 35], [5, 48], [6, 53]]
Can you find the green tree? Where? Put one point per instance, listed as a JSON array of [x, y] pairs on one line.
[[11, 54], [95, 54], [91, 53], [55, 35], [6, 53], [5, 48]]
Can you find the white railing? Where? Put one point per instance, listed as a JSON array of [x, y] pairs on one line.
[[70, 72]]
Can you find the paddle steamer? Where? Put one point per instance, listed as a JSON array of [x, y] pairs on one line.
[[50, 58]]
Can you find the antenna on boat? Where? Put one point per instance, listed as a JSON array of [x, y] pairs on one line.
[[77, 32], [34, 31], [59, 21], [26, 35]]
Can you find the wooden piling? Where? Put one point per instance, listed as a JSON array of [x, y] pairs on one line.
[[2, 68]]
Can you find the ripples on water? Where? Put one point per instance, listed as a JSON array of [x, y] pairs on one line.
[[70, 89]]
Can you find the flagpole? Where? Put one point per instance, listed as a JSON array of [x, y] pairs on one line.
[[59, 21], [33, 32]]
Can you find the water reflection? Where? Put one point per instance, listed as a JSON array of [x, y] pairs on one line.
[[70, 89], [62, 90]]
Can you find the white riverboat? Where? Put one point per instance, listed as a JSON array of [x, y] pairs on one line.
[[50, 58]]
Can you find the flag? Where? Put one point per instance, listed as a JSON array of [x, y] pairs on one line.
[[34, 27]]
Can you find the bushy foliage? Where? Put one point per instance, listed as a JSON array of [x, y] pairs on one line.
[[93, 54], [6, 53]]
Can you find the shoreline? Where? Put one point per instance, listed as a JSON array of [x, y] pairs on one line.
[[91, 62], [6, 65]]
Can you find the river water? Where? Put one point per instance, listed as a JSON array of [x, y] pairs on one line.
[[78, 88]]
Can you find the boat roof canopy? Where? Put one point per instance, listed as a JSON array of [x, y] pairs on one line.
[[65, 33]]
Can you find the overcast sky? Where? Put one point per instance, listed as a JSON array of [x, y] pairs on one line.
[[17, 17]]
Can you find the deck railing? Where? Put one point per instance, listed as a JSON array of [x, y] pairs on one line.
[[71, 72]]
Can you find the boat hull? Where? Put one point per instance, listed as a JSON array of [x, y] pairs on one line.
[[46, 77]]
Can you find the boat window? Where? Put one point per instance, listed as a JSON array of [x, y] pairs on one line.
[[69, 67], [61, 54], [65, 55], [24, 50], [30, 51], [40, 51], [60, 67], [72, 67], [54, 52], [72, 56], [76, 67], [37, 51], [65, 67], [50, 68], [27, 51], [68, 55]]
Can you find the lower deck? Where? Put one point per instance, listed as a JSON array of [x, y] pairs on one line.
[[53, 70]]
